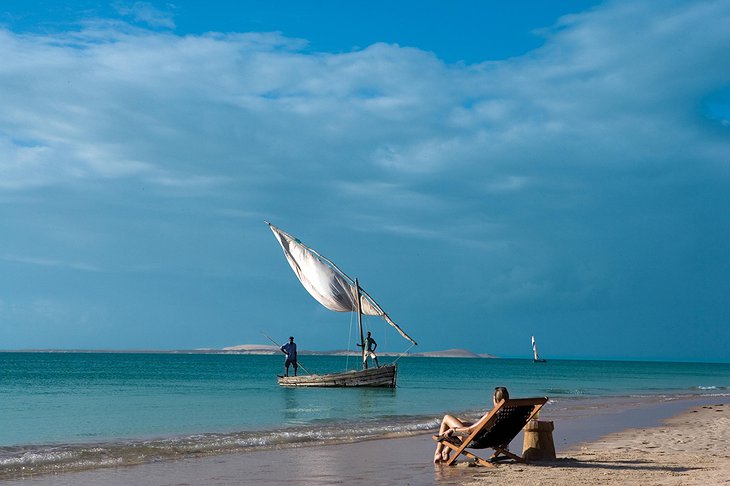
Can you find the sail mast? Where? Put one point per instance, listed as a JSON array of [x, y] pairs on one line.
[[359, 324]]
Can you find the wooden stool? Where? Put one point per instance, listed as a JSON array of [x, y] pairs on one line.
[[538, 444]]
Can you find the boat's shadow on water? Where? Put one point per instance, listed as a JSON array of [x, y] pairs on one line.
[[301, 406]]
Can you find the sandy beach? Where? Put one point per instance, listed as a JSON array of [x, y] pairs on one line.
[[692, 447]]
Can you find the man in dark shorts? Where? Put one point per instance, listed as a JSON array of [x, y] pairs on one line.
[[290, 350]]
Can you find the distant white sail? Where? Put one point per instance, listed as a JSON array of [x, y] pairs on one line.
[[534, 349], [325, 282]]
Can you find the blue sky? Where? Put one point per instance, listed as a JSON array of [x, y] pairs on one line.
[[488, 172]]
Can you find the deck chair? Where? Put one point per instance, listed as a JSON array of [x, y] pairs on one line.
[[495, 430]]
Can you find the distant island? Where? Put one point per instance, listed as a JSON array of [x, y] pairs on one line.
[[260, 349], [270, 349]]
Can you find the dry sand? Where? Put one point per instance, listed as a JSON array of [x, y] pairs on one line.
[[692, 448]]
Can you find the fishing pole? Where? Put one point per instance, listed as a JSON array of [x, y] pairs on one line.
[[298, 363]]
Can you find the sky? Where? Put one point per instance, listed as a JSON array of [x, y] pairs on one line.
[[488, 170]]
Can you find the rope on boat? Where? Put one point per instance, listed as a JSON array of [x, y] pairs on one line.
[[349, 337], [403, 353]]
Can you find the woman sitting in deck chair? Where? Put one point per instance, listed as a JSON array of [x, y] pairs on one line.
[[451, 425]]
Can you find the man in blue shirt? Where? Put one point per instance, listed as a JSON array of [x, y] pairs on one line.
[[290, 350]]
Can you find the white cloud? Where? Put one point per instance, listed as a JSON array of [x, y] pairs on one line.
[[146, 13], [611, 86], [616, 88]]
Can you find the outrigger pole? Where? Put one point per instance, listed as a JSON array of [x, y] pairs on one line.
[[298, 363]]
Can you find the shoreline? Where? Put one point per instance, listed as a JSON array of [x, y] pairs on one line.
[[588, 440]]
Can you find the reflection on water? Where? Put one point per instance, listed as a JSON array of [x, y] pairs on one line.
[[303, 405], [292, 413], [369, 399]]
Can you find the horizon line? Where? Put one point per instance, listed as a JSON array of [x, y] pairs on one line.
[[422, 354]]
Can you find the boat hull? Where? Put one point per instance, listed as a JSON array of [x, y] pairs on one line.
[[384, 376]]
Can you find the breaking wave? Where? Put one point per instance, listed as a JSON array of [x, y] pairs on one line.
[[23, 461]]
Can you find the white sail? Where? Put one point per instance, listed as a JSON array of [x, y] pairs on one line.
[[534, 349], [325, 282]]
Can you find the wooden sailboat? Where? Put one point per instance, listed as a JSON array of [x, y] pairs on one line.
[[332, 288], [536, 357]]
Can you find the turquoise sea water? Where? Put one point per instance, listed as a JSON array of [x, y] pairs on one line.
[[65, 411]]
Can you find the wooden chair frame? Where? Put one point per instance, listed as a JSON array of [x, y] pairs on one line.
[[485, 424]]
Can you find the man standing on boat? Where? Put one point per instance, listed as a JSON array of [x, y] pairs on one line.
[[290, 350], [370, 346]]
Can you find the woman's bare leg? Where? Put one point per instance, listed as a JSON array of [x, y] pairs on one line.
[[442, 452]]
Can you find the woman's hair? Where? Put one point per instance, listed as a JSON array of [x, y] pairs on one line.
[[500, 393]]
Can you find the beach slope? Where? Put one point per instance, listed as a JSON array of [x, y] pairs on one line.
[[690, 449]]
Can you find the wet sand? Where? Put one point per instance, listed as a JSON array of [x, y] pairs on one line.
[[640, 449]]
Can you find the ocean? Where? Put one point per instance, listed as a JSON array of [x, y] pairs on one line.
[[67, 411]]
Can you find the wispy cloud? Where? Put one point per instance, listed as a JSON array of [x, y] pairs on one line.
[[46, 262], [146, 13]]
